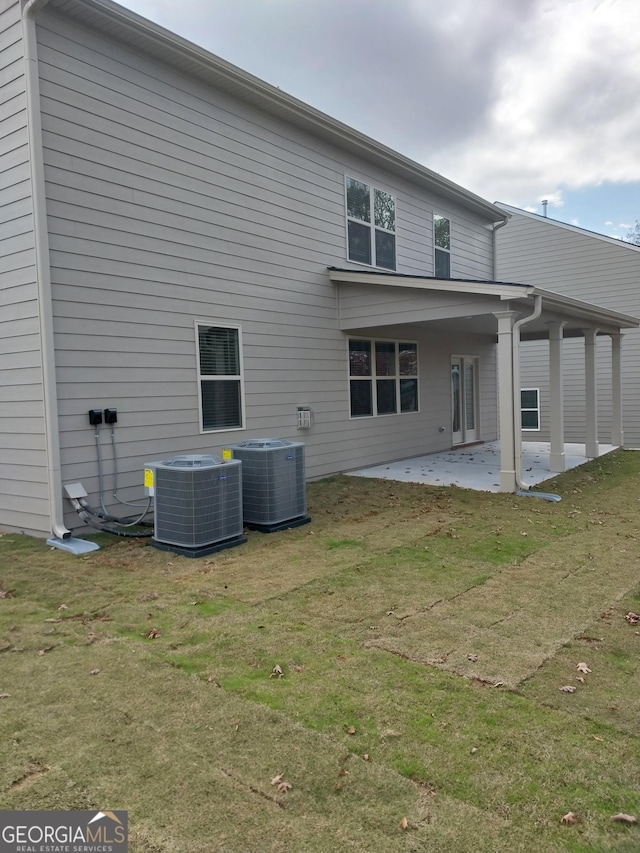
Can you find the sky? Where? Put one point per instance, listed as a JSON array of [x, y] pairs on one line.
[[516, 100]]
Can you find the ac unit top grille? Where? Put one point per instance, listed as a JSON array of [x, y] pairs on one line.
[[192, 461], [264, 443]]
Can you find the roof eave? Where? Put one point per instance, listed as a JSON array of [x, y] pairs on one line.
[[274, 100]]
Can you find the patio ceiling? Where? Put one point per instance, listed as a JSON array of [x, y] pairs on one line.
[[373, 299]]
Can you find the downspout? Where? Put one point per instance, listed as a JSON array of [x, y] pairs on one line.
[[43, 271], [517, 423]]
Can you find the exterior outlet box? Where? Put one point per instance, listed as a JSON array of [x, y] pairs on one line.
[[304, 417], [111, 416], [95, 417]]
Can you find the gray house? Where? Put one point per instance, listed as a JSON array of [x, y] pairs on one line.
[[583, 265], [215, 260]]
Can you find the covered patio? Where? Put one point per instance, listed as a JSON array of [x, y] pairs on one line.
[[504, 313], [477, 467]]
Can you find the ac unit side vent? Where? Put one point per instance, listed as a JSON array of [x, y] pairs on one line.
[[198, 504]]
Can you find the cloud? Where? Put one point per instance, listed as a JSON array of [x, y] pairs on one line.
[[566, 113]]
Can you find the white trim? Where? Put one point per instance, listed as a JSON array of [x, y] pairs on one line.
[[391, 279], [371, 225], [199, 378], [530, 409], [437, 248], [373, 376]]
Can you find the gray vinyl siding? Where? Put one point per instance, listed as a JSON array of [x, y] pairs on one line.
[[24, 502], [169, 203], [595, 269]]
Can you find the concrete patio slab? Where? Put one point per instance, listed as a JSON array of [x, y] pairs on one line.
[[477, 467]]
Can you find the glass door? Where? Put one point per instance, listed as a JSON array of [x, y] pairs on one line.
[[464, 399]]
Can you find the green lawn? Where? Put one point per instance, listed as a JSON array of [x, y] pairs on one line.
[[423, 634]]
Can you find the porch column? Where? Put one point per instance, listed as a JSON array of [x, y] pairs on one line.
[[617, 434], [590, 394], [506, 413], [556, 398]]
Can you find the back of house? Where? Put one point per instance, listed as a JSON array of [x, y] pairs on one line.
[[168, 226]]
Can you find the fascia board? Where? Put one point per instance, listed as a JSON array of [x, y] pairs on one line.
[[593, 313], [504, 291]]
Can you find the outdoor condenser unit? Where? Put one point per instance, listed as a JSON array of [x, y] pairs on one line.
[[198, 504], [274, 495]]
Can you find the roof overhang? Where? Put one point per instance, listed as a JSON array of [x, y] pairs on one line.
[[372, 299], [143, 35]]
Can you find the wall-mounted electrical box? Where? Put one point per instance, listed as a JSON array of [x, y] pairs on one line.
[[111, 416], [95, 417]]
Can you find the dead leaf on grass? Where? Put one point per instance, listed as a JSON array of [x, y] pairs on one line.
[[569, 818], [276, 672], [153, 634], [42, 652], [283, 787], [351, 730], [568, 688], [63, 607], [582, 667], [95, 671], [277, 779], [5, 593], [298, 667], [366, 756], [404, 823], [5, 695], [624, 818], [472, 658], [632, 618]]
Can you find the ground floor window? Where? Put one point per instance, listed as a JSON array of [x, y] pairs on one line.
[[383, 377], [220, 377], [530, 408]]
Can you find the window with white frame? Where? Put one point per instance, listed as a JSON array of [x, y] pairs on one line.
[[530, 408], [442, 246], [220, 377], [371, 225], [383, 377]]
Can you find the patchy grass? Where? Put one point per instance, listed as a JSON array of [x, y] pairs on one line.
[[424, 634]]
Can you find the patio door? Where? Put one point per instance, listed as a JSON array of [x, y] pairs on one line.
[[464, 399]]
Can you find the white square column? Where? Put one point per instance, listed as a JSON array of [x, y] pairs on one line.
[[506, 403], [592, 449], [557, 462], [617, 433]]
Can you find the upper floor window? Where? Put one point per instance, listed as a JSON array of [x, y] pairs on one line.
[[383, 377], [371, 225], [442, 246], [220, 377]]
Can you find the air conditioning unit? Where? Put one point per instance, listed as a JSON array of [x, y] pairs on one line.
[[274, 495], [198, 504]]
